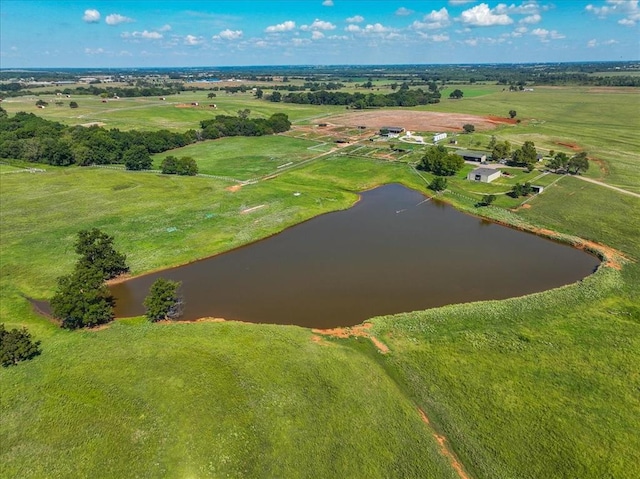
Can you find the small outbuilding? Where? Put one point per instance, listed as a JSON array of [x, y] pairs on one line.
[[391, 130], [484, 175], [439, 136], [477, 156]]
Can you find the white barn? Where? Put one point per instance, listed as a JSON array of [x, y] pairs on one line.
[[439, 136], [484, 175]]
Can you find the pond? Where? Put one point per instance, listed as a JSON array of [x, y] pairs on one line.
[[394, 251]]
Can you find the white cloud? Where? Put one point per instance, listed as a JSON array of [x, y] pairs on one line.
[[355, 19], [144, 34], [353, 28], [440, 37], [300, 41], [546, 35], [193, 40], [610, 42], [403, 12], [592, 43], [228, 35], [376, 28], [91, 51], [629, 8], [318, 25], [454, 3], [529, 7], [482, 16], [116, 19], [327, 3], [281, 27], [531, 19], [91, 16], [317, 35], [472, 42], [165, 28], [436, 19]]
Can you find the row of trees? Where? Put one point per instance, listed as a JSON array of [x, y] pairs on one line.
[[403, 97], [82, 298], [242, 125], [28, 137], [185, 166], [561, 162]]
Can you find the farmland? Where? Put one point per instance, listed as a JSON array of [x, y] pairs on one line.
[[539, 386]]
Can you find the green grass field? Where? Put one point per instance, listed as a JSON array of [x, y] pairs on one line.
[[543, 386], [245, 158]]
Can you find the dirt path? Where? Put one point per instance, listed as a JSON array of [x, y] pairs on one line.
[[611, 187], [355, 331], [445, 450]]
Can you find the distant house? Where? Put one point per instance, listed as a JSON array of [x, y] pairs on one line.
[[391, 130], [537, 189], [439, 136], [478, 156], [484, 175]]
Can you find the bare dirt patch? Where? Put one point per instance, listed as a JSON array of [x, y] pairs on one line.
[[93, 123], [417, 120], [355, 331], [233, 188], [572, 146]]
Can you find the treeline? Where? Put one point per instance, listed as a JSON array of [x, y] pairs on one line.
[[28, 137], [403, 97], [223, 125], [31, 138]]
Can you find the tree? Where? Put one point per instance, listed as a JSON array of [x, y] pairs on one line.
[[578, 163], [137, 158], [211, 95], [187, 166], [501, 150], [521, 190], [244, 114], [487, 200], [512, 113], [525, 156], [439, 183], [82, 299], [163, 301], [276, 96], [169, 165], [259, 93], [456, 94], [41, 103], [492, 142], [440, 162], [16, 345], [96, 251], [468, 128], [559, 162], [73, 104]]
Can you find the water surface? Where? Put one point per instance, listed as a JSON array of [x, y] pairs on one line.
[[394, 251]]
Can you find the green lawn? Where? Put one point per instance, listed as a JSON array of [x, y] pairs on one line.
[[244, 157]]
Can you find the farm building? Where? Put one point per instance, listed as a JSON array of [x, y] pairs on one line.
[[478, 156], [391, 130], [484, 175], [439, 136]]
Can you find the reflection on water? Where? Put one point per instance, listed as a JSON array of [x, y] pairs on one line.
[[392, 252]]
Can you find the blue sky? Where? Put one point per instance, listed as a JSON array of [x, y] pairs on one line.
[[267, 32]]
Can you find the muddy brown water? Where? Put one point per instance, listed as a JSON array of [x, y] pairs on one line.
[[394, 251]]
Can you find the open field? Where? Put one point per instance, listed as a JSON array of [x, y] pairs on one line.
[[245, 158], [543, 386]]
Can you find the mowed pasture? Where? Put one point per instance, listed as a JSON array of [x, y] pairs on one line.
[[542, 386], [245, 158]]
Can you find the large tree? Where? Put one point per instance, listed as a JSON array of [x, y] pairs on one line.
[[578, 163], [96, 251], [82, 299], [163, 301], [559, 161], [16, 345], [440, 162], [137, 158], [456, 94]]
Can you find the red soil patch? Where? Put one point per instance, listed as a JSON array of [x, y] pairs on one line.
[[233, 188], [499, 119], [354, 331], [573, 146], [444, 448], [417, 120], [604, 168], [185, 105]]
